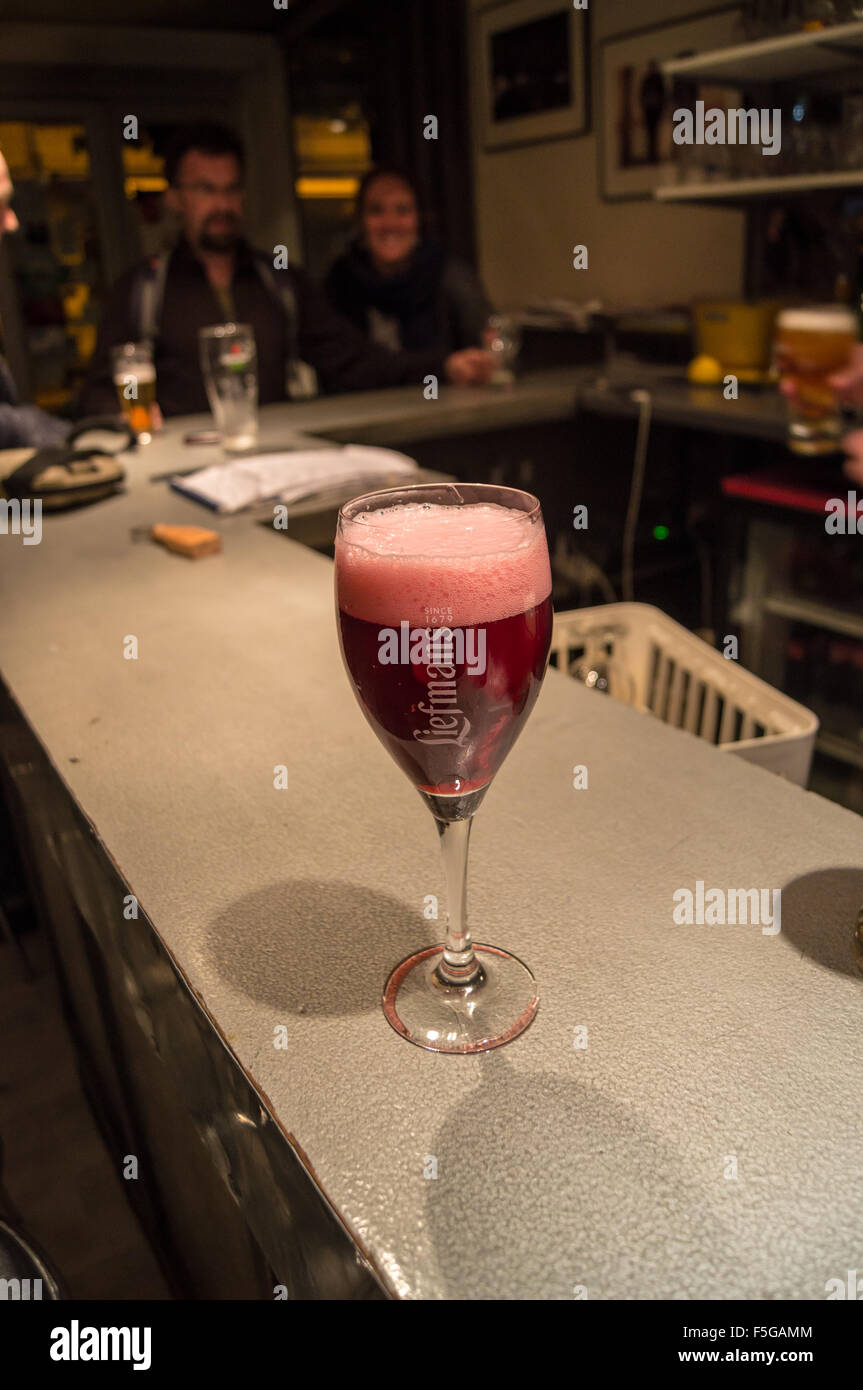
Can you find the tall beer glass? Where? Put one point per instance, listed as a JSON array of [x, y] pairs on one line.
[[229, 362], [135, 384], [811, 344], [443, 598]]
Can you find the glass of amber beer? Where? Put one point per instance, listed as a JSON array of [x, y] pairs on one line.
[[135, 382], [811, 344]]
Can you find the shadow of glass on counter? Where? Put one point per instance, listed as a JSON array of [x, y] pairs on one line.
[[822, 917], [294, 945]]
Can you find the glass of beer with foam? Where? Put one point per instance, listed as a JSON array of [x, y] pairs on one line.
[[811, 344], [135, 382], [443, 601]]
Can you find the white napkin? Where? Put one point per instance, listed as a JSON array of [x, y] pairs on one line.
[[287, 477]]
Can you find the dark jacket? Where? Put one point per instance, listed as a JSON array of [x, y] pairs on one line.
[[25, 425], [343, 359], [438, 304]]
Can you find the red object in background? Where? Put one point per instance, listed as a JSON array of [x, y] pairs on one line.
[[780, 491]]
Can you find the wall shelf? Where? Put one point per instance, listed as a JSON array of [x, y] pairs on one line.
[[804, 610], [742, 190], [842, 749], [780, 58]]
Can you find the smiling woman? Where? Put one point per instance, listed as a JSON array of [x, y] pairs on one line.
[[398, 286]]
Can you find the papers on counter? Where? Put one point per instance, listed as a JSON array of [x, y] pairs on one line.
[[288, 477]]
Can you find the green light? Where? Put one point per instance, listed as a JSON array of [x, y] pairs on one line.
[[660, 533]]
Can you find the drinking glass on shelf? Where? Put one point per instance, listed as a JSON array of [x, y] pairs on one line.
[[135, 383], [502, 337], [443, 599], [229, 362], [752, 164], [688, 164]]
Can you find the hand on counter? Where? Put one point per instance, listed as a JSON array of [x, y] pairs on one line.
[[470, 367]]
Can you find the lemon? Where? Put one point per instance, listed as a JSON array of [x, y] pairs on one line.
[[705, 371]]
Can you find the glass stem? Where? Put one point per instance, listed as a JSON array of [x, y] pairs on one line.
[[458, 964]]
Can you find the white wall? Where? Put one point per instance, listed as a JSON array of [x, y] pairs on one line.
[[534, 202]]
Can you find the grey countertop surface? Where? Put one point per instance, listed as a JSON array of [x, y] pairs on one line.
[[391, 416], [706, 1142], [759, 412], [401, 416]]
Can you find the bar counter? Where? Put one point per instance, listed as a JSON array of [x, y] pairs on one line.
[[683, 1118], [394, 417]]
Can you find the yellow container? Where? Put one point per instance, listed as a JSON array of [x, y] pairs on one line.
[[737, 334]]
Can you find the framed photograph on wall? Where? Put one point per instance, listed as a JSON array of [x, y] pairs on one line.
[[636, 104], [533, 72]]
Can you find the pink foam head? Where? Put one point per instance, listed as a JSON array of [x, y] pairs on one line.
[[433, 565]]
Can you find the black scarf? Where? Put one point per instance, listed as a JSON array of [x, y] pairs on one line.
[[412, 296]]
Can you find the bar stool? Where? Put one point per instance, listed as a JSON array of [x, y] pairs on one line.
[[22, 1264]]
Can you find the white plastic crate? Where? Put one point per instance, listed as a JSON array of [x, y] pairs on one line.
[[655, 665]]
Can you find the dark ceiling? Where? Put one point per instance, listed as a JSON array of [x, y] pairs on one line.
[[252, 16]]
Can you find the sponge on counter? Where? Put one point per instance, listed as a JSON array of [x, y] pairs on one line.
[[191, 541]]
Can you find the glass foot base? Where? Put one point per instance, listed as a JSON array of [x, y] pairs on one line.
[[499, 1004]]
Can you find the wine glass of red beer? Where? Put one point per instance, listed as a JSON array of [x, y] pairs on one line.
[[443, 598]]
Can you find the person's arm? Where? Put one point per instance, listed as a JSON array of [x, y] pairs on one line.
[[25, 425], [468, 305], [117, 325], [344, 359]]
